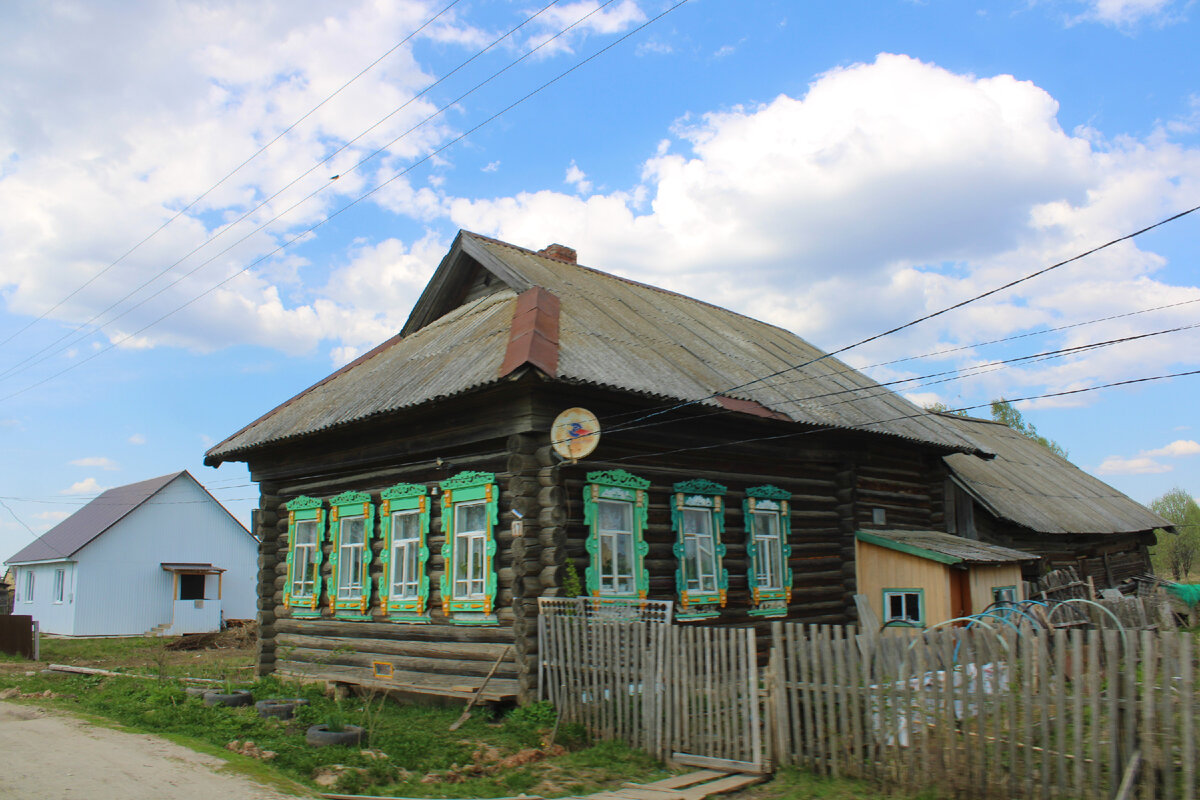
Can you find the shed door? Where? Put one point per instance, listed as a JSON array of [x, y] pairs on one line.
[[960, 593]]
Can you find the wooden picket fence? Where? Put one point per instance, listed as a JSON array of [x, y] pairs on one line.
[[982, 714], [976, 713], [673, 691]]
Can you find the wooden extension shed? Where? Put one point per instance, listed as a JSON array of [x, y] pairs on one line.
[[1029, 498], [412, 508], [921, 578]]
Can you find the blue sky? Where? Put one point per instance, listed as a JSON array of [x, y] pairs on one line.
[[836, 169]]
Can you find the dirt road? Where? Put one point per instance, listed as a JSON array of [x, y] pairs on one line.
[[45, 755]]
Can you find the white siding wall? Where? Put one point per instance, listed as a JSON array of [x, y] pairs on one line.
[[122, 588], [51, 616]]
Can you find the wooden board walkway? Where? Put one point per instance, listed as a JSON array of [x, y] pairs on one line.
[[691, 786]]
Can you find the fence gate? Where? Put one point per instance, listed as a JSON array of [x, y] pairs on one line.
[[625, 672]]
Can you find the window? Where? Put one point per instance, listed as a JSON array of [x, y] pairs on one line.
[[28, 587], [352, 519], [469, 516], [1004, 595], [768, 523], [698, 517], [404, 528], [306, 530], [904, 607], [191, 587], [60, 578], [614, 509]]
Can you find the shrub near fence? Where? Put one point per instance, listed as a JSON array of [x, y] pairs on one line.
[[986, 714]]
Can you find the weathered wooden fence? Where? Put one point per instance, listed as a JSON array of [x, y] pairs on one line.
[[673, 691], [978, 713], [1062, 714]]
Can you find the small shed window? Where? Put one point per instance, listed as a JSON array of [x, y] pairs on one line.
[[29, 579], [352, 517], [404, 528], [306, 530], [698, 517], [191, 587], [614, 509], [60, 578], [1004, 595], [470, 512], [904, 607], [768, 523]]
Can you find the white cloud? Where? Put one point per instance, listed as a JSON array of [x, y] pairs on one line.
[[578, 178], [617, 18], [895, 188], [491, 166], [1125, 13], [1176, 449], [96, 461], [85, 486], [1115, 465], [137, 438], [52, 517]]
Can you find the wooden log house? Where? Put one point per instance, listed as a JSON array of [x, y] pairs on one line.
[[413, 509]]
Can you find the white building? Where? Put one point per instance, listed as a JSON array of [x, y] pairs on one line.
[[158, 557]]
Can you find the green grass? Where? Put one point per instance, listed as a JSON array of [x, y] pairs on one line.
[[417, 739], [792, 784]]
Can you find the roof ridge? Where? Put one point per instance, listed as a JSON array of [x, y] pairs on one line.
[[639, 284]]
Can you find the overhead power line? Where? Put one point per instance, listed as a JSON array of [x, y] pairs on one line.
[[233, 172], [33, 359], [357, 200]]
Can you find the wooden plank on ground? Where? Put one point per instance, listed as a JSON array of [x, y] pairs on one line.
[[722, 764], [732, 783], [680, 781]]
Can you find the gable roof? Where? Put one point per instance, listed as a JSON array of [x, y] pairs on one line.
[[107, 509], [1030, 485], [945, 548], [492, 307]]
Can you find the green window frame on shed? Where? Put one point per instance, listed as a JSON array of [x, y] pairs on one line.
[[615, 509], [352, 519], [470, 513], [306, 532], [767, 514], [698, 519], [404, 529]]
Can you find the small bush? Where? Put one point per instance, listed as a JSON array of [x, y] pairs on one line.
[[540, 714]]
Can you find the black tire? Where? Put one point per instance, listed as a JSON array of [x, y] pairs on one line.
[[284, 708], [196, 691], [321, 736], [240, 697]]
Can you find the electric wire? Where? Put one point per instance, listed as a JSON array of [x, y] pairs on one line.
[[353, 203], [235, 171], [17, 367]]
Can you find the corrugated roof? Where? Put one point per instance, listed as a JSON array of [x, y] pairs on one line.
[[107, 509], [613, 333], [1028, 484], [944, 547]]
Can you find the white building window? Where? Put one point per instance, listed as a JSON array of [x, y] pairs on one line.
[[28, 587], [60, 576], [406, 555], [470, 546], [351, 540]]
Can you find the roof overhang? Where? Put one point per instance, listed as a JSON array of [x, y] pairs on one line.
[[901, 542], [191, 569]]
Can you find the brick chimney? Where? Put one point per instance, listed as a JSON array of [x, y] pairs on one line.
[[560, 252]]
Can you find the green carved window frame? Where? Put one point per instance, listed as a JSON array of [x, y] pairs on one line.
[[617, 487], [699, 502], [355, 602], [764, 502], [303, 510], [404, 500], [459, 493]]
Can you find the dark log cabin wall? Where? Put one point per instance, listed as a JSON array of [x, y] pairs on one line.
[[837, 480]]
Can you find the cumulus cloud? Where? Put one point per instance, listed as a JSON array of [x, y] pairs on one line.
[[889, 190], [578, 178], [100, 462], [137, 438], [1145, 463], [85, 486], [1125, 13]]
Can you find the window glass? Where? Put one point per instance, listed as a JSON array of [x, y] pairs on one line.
[[59, 579], [191, 587], [615, 531], [350, 558], [903, 607], [470, 539], [768, 563], [406, 545], [29, 587], [699, 563], [304, 563]]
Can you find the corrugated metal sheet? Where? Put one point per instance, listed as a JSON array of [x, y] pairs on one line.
[[1028, 484], [613, 333], [108, 508], [968, 551]]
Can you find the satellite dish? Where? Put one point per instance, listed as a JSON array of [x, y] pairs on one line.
[[575, 433]]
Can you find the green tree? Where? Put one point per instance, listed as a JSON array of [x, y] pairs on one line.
[[1177, 553], [1004, 412], [942, 408]]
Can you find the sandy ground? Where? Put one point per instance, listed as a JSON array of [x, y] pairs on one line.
[[45, 755]]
